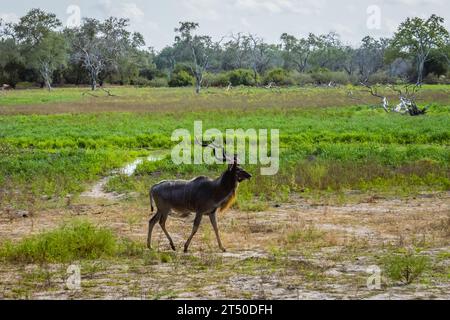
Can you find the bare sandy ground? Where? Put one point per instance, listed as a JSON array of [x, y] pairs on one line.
[[300, 250]]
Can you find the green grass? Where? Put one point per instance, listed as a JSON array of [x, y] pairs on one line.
[[36, 96], [166, 96], [75, 240], [405, 265], [72, 241], [329, 147]]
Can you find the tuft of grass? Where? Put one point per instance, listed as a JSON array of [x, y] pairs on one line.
[[309, 234], [405, 265], [72, 241], [129, 248], [153, 257]]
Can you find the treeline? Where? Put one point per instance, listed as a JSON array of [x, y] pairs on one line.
[[38, 50]]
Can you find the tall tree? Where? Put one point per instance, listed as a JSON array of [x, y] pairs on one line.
[[328, 51], [166, 60], [35, 25], [99, 46], [42, 47], [11, 61], [198, 48], [260, 54], [417, 37], [236, 53], [296, 52], [48, 55], [370, 56]]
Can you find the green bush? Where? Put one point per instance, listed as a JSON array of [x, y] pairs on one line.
[[73, 241], [325, 77], [183, 67], [216, 79], [278, 76], [435, 79], [159, 83], [321, 77], [301, 79], [241, 77], [181, 79], [381, 78], [405, 265], [340, 77], [26, 85], [140, 82]]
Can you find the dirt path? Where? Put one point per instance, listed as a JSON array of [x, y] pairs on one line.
[[98, 190]]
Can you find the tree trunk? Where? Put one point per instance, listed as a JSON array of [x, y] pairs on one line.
[[197, 87], [420, 70], [48, 85], [255, 76], [198, 83]]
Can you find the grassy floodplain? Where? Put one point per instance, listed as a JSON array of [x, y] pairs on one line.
[[329, 141], [356, 187]]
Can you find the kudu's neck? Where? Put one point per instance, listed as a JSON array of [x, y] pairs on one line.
[[226, 184]]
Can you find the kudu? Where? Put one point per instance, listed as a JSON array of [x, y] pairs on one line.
[[201, 195]]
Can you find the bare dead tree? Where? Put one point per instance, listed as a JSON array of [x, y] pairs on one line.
[[407, 96], [373, 90]]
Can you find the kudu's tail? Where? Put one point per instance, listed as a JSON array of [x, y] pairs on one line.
[[151, 199]]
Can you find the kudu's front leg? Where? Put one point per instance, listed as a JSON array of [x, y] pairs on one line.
[[213, 218], [198, 219]]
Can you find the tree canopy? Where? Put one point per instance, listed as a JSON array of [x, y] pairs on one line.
[[38, 49]]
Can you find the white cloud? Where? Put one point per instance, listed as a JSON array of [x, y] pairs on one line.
[[245, 23], [204, 9], [128, 10], [416, 2], [9, 17], [282, 6], [344, 30]]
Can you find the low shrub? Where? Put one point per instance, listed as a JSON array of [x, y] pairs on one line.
[[181, 79], [72, 241], [381, 78], [216, 79], [279, 77], [140, 82], [301, 79], [159, 83], [405, 265], [241, 77], [326, 77], [435, 79]]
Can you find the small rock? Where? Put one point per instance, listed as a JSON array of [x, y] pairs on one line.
[[22, 214]]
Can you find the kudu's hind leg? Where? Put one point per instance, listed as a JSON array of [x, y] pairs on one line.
[[198, 219], [156, 217], [213, 218], [162, 223]]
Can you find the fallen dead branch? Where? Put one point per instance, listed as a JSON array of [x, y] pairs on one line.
[[407, 96]]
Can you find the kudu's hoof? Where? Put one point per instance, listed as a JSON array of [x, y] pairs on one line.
[[223, 250]]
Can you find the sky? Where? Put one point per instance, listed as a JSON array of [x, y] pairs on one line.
[[156, 19]]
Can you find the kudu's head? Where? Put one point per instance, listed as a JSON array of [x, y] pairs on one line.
[[239, 173], [234, 169]]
